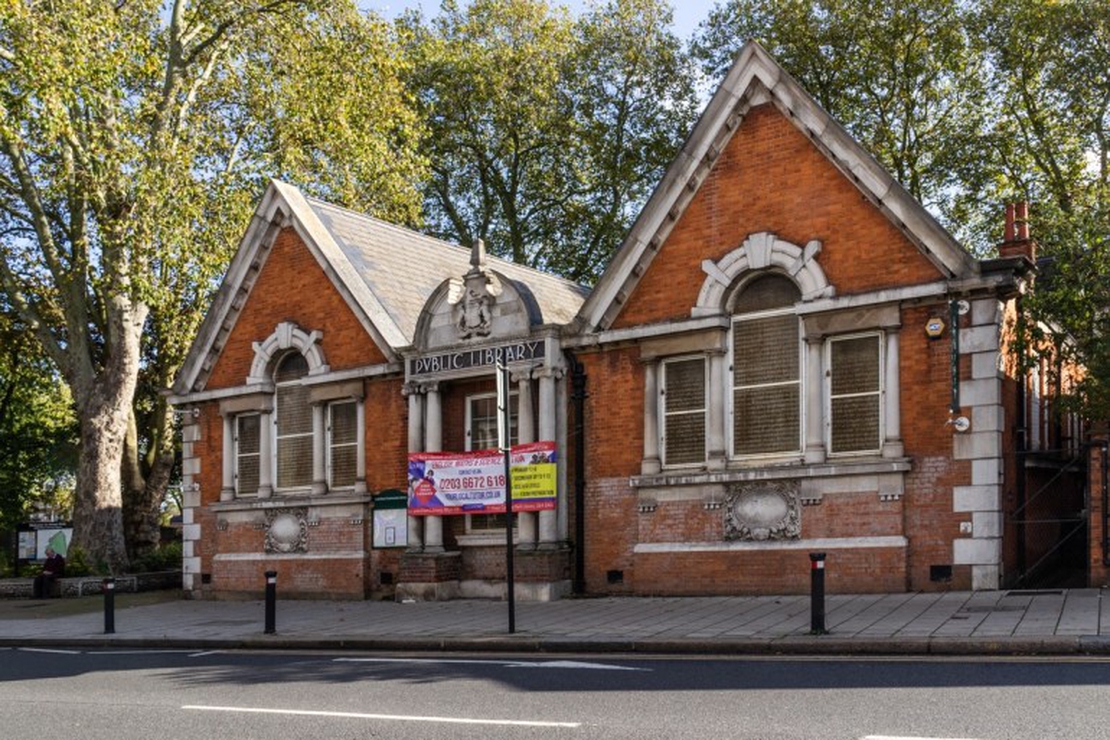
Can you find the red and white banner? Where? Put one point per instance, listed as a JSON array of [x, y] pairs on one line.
[[446, 483]]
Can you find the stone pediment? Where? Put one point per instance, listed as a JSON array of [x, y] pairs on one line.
[[479, 306]]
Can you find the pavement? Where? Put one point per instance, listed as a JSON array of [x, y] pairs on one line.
[[1048, 622]]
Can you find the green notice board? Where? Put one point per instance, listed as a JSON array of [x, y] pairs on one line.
[[391, 522]]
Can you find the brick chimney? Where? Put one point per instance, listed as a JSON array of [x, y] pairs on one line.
[[1016, 242]]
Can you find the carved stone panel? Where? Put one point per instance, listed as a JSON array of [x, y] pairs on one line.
[[287, 530], [765, 510]]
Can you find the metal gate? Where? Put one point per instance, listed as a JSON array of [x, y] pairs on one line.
[[1050, 521]]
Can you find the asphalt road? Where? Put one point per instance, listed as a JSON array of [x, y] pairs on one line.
[[122, 694]]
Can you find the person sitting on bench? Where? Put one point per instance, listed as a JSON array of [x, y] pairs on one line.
[[53, 569]]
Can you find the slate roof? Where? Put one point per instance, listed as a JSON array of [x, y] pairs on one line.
[[385, 273], [403, 267]]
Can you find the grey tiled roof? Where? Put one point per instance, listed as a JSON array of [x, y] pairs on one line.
[[402, 267]]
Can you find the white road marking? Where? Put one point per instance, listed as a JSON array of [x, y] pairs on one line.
[[397, 717], [48, 650], [136, 652], [901, 737], [206, 652], [505, 663], [576, 664]]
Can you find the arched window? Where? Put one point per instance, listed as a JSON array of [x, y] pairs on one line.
[[293, 424], [766, 368]]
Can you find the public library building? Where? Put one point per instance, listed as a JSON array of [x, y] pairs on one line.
[[787, 354]]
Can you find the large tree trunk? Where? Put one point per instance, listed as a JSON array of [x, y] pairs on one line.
[[104, 402], [143, 494]]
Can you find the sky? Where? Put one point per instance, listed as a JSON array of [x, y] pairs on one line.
[[687, 13]]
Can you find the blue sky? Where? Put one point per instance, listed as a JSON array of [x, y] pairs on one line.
[[687, 13]]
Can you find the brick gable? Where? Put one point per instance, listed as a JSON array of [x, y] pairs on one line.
[[293, 287], [770, 177]]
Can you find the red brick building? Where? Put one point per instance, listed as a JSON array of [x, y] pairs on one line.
[[787, 354]]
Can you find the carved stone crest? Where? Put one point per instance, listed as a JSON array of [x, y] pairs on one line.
[[287, 530], [763, 511], [472, 296]]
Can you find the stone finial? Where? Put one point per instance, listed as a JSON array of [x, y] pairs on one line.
[[478, 256]]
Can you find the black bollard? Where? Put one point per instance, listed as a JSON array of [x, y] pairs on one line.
[[817, 593], [109, 606], [271, 600]]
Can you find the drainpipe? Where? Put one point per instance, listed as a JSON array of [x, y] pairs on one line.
[[1020, 435], [578, 397]]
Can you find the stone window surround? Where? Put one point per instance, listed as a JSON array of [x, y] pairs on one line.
[[262, 403], [759, 254], [490, 536], [882, 349], [260, 399], [817, 330], [662, 408]]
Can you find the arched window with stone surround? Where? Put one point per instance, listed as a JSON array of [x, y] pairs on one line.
[[293, 429], [766, 352]]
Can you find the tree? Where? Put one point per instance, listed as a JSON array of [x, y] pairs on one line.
[[971, 105], [632, 87], [37, 426], [488, 78], [901, 75], [131, 140], [1051, 139], [545, 133]]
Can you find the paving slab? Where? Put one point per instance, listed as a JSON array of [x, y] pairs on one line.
[[954, 623]]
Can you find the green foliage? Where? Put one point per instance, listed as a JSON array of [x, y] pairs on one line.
[[166, 557], [78, 564], [134, 138], [971, 105], [37, 428], [546, 134]]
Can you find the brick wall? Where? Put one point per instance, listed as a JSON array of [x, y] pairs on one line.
[[771, 178], [769, 572], [290, 273], [387, 442], [931, 523], [293, 287], [1096, 468]]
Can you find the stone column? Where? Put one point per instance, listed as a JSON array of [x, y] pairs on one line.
[[265, 455], [360, 449], [416, 444], [433, 442], [227, 487], [892, 445], [814, 400], [319, 448], [526, 520], [716, 454], [548, 520], [651, 463]]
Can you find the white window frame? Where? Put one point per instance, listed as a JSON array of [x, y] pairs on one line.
[[730, 390], [880, 339], [329, 447], [239, 492], [661, 409], [470, 448], [276, 440]]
